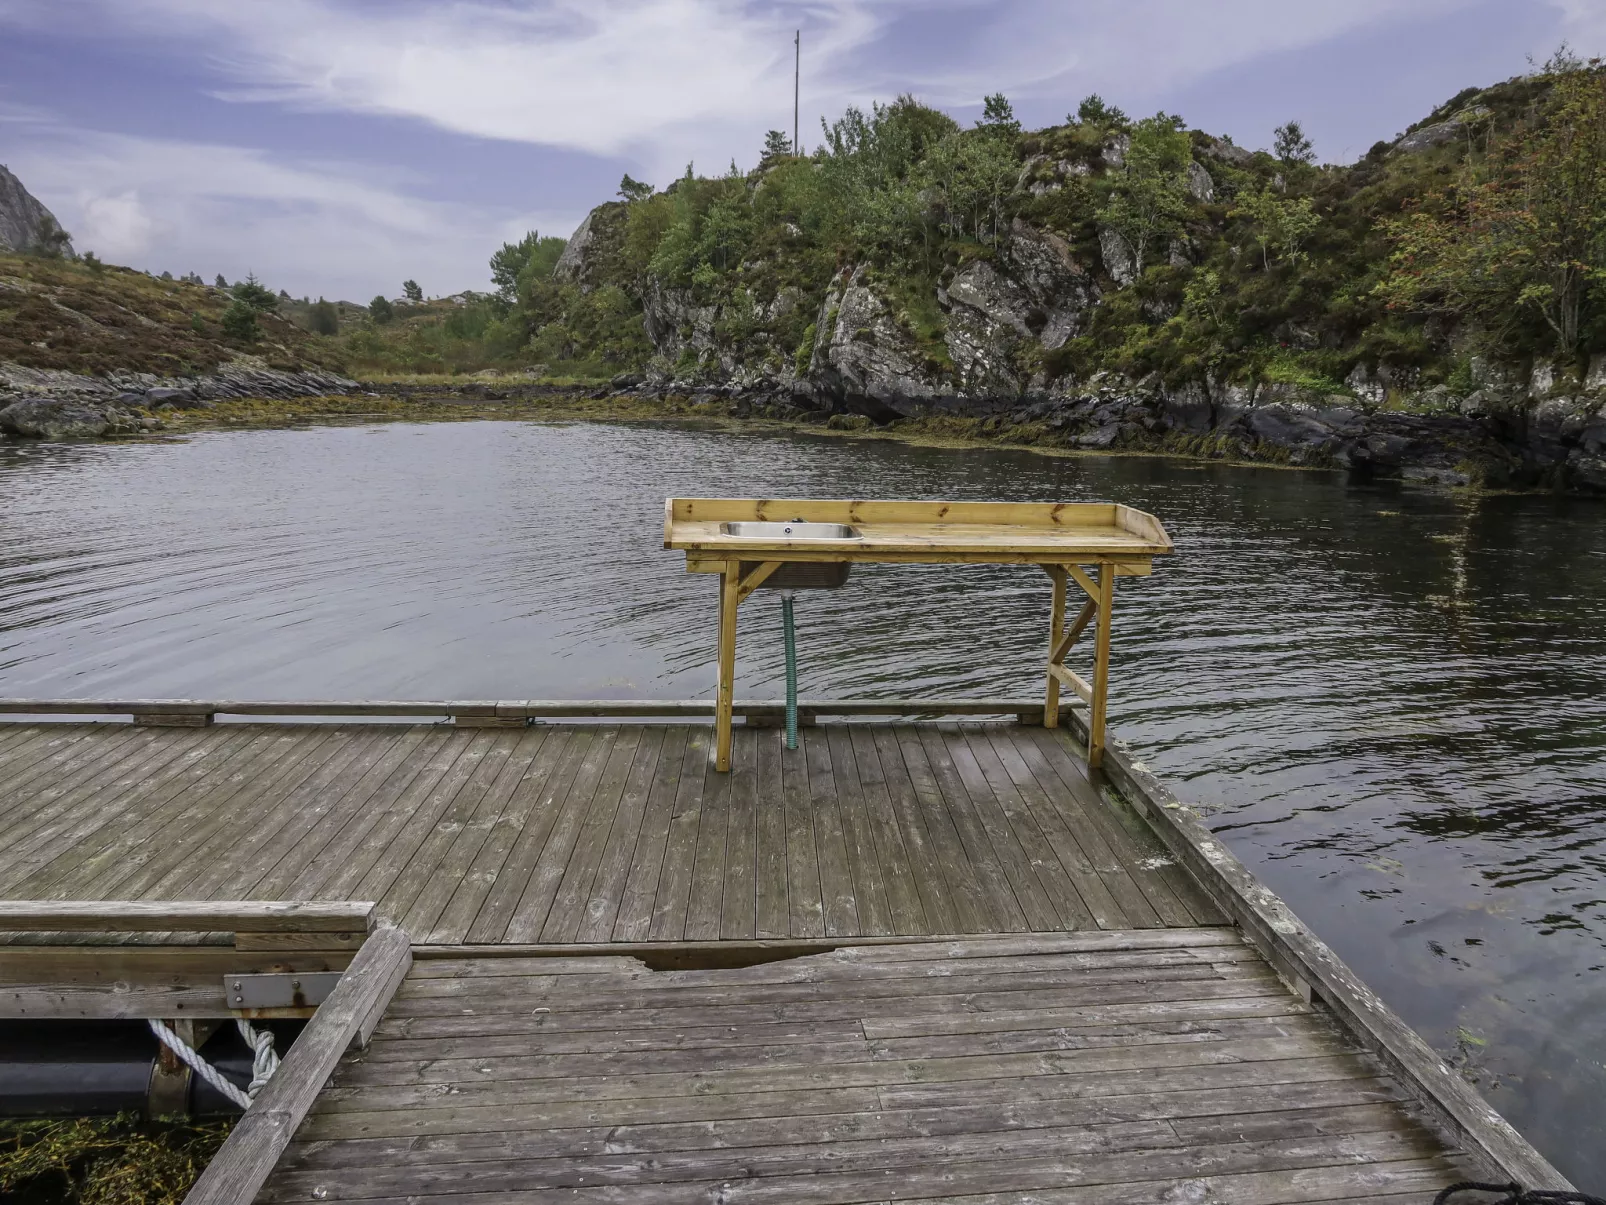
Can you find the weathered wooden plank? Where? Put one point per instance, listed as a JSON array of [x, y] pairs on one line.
[[1060, 882], [53, 790], [573, 895], [680, 847], [1019, 866], [1002, 912], [502, 900], [739, 901], [385, 875], [552, 864], [343, 1124], [840, 909], [925, 862], [247, 1157], [824, 1180], [969, 900], [827, 1009], [216, 856], [706, 896], [613, 868], [646, 864], [82, 843], [1102, 880], [805, 905], [203, 916], [772, 909], [454, 880], [869, 888], [1207, 1107], [359, 801], [903, 896], [344, 860], [1133, 844], [476, 1081], [193, 816], [418, 883]]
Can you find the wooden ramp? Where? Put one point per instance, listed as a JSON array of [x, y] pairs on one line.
[[1156, 1066], [591, 832]]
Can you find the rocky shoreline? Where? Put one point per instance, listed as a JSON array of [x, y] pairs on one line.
[[1498, 437]]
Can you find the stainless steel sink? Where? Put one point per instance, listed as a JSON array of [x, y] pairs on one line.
[[799, 530]]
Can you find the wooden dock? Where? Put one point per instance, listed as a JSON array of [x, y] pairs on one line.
[[905, 961]]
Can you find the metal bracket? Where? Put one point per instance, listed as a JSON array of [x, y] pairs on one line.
[[297, 989]]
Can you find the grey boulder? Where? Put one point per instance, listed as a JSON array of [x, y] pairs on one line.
[[59, 418]]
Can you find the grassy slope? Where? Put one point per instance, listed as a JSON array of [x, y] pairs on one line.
[[62, 314]]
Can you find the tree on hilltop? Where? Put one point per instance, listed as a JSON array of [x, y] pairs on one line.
[[998, 114], [1093, 111], [634, 190], [777, 146], [380, 310], [412, 291], [1292, 147]]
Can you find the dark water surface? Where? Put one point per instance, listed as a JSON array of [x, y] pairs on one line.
[[1391, 704]]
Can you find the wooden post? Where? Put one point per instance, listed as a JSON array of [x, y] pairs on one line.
[[1101, 667], [1056, 632], [730, 582]]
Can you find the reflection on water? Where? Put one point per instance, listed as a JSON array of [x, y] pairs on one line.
[[1392, 705]]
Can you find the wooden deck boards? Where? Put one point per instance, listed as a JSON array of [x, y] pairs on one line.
[[591, 833], [1149, 1066]]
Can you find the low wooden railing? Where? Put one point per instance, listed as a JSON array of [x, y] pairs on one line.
[[487, 713]]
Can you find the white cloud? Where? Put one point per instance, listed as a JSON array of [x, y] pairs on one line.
[[117, 227], [1584, 22], [312, 228], [664, 80]]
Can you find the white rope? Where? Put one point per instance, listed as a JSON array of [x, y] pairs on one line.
[[264, 1060], [199, 1065]]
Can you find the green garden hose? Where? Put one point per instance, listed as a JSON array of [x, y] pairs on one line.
[[791, 670]]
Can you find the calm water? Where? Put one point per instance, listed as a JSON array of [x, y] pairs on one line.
[[1391, 704]]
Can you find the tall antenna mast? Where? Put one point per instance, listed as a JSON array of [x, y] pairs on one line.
[[797, 75]]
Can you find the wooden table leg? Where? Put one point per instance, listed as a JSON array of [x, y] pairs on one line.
[[1101, 667], [1056, 632], [729, 599]]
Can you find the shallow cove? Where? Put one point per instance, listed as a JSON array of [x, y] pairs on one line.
[[1391, 704]]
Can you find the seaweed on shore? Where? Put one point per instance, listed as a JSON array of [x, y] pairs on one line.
[[121, 1160]]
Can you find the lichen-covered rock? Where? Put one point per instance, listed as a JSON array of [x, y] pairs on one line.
[[1059, 287], [67, 418], [1120, 261], [1200, 184], [864, 357], [1440, 132]]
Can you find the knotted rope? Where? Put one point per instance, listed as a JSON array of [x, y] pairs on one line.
[[264, 1060], [1515, 1194]]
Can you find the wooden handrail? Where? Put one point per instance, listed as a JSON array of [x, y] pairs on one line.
[[515, 708]]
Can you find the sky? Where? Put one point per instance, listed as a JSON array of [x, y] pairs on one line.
[[337, 147]]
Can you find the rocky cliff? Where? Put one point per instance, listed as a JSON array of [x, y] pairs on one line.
[[1252, 322], [25, 224]]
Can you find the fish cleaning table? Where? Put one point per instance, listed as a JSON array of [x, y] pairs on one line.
[[747, 541]]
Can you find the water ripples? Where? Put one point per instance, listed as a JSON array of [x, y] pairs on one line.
[[1392, 705]]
